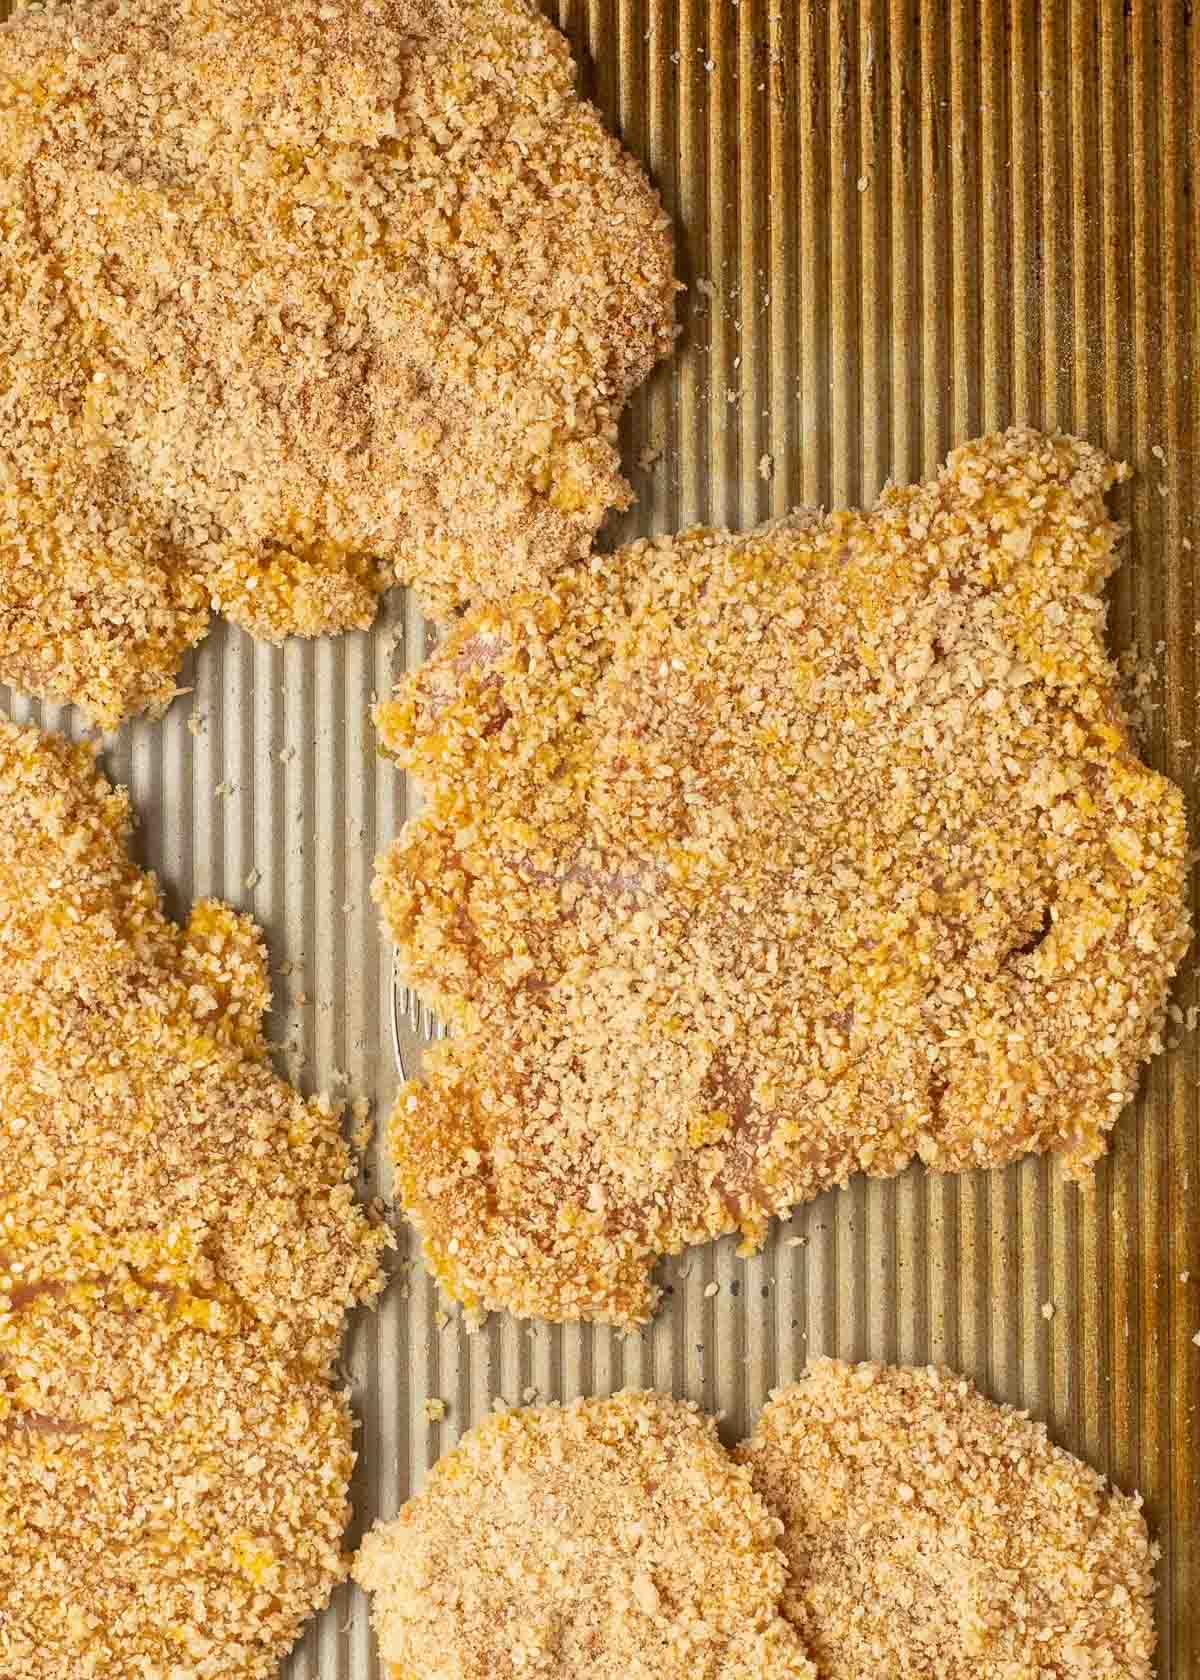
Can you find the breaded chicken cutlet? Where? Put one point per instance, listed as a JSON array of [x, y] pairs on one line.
[[172, 1500], [179, 1243], [293, 302], [932, 1533], [143, 1125], [751, 862], [612, 1538]]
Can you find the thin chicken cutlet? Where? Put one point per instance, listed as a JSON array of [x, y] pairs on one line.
[[751, 862], [294, 302], [612, 1538], [932, 1533], [179, 1244]]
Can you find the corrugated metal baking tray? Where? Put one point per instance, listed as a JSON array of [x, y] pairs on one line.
[[901, 224]]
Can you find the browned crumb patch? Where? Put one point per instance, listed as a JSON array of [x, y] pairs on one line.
[[750, 862], [607, 1537], [179, 1242], [929, 1531], [292, 301]]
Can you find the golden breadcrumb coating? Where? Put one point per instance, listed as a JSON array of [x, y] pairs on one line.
[[144, 1130], [750, 862], [612, 1538], [934, 1535], [172, 1499], [179, 1243], [293, 301]]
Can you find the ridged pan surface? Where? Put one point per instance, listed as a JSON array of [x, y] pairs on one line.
[[900, 225]]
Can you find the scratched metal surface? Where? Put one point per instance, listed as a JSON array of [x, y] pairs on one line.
[[912, 222]]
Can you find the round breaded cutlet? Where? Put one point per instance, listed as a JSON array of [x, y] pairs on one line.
[[294, 301], [934, 1535], [613, 1538], [172, 1499], [143, 1128], [750, 862]]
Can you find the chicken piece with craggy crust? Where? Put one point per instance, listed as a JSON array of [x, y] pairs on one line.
[[294, 302], [144, 1130], [930, 1532], [612, 1538], [751, 862], [179, 1243], [172, 1496]]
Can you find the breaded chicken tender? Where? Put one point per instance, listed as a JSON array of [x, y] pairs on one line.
[[179, 1243], [172, 1499], [295, 301], [932, 1533], [612, 1538], [751, 862]]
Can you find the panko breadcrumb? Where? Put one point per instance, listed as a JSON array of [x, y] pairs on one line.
[[179, 1242], [750, 862], [294, 300], [934, 1535], [608, 1537]]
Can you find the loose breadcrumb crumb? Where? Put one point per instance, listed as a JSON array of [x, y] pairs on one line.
[[179, 1243], [930, 1531], [435, 1410], [294, 301], [364, 1125], [565, 1540], [750, 862]]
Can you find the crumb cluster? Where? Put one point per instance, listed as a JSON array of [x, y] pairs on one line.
[[608, 1537], [930, 1532], [750, 862], [179, 1243], [294, 301]]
